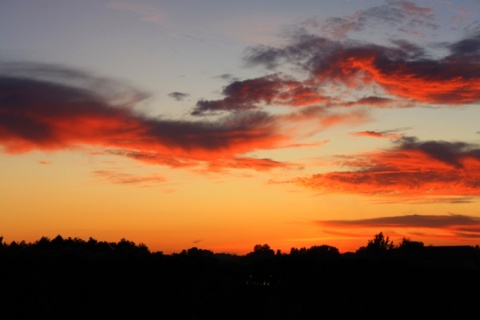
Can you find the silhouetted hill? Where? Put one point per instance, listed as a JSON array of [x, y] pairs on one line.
[[77, 279]]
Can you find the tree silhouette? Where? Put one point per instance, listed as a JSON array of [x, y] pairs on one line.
[[380, 245], [324, 251], [409, 245], [262, 251]]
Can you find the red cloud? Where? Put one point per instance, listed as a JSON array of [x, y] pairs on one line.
[[449, 80], [37, 114], [412, 169], [59, 108]]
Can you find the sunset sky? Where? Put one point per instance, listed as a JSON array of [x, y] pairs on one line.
[[222, 125]]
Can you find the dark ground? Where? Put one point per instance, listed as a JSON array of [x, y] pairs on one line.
[[76, 279]]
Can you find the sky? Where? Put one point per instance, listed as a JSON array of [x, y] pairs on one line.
[[221, 125]]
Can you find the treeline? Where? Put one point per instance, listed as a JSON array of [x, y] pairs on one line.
[[380, 246], [89, 279]]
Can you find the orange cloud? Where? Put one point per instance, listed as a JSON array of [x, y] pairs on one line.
[[54, 108], [48, 115], [412, 169]]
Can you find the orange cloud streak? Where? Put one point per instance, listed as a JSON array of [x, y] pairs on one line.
[[377, 134], [128, 179], [413, 169]]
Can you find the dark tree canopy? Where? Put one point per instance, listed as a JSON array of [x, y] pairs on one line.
[[70, 278]]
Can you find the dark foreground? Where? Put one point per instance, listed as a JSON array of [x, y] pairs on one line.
[[76, 279]]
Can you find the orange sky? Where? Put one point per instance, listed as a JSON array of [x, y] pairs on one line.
[[310, 126]]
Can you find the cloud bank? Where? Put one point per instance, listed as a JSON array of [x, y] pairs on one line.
[[411, 168], [453, 226], [402, 69]]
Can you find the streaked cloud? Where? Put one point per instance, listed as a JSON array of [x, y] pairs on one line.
[[405, 16], [247, 163], [387, 134], [415, 220], [144, 12], [411, 168], [452, 226], [117, 177]]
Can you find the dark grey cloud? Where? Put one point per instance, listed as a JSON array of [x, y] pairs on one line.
[[250, 94], [419, 221], [179, 96], [228, 77], [371, 101], [451, 153], [468, 47], [402, 69], [59, 108]]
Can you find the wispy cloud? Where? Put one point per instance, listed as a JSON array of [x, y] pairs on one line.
[[405, 16], [116, 177], [387, 134], [144, 12], [247, 163]]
